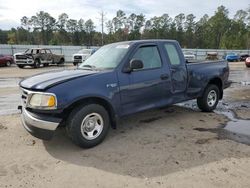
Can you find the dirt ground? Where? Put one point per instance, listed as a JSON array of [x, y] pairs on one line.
[[176, 146]]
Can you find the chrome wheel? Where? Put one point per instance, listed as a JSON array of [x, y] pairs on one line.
[[92, 126], [211, 98]]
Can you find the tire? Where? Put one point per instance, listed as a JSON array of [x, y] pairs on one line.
[[37, 63], [21, 66], [61, 62], [210, 98], [46, 64], [88, 125], [8, 64]]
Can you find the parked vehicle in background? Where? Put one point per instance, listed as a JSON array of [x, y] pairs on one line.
[[36, 57], [189, 56], [212, 56], [243, 56], [82, 55], [119, 79], [6, 60], [247, 62], [230, 57]]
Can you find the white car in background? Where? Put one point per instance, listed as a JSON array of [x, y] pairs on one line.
[[189, 56], [82, 55]]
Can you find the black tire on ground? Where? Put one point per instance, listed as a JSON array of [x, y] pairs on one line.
[[61, 62], [210, 98], [37, 63], [46, 64], [75, 63], [8, 64], [84, 125], [20, 66]]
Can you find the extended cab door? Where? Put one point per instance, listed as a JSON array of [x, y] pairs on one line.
[[178, 69], [143, 88], [49, 56], [43, 56]]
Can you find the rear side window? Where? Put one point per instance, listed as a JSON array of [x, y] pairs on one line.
[[172, 54], [149, 55]]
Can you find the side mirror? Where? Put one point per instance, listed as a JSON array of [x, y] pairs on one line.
[[134, 64]]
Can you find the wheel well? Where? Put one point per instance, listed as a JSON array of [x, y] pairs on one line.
[[92, 100], [218, 83]]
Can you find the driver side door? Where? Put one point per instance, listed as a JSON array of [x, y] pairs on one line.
[[143, 89]]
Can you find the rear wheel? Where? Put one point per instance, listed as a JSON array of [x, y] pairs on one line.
[[46, 64], [61, 62], [88, 125], [210, 98]]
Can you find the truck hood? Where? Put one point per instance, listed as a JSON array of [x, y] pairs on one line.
[[18, 53], [46, 80]]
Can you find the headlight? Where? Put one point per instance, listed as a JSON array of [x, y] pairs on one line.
[[43, 101]]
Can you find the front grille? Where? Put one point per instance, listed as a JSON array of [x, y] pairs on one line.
[[77, 57], [24, 97], [21, 57]]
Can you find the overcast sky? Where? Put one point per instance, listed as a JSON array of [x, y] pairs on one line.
[[11, 11]]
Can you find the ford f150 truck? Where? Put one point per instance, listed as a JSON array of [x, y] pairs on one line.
[[82, 55], [36, 56], [119, 79]]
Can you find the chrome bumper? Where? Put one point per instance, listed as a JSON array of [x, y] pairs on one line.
[[42, 127], [24, 62], [29, 119]]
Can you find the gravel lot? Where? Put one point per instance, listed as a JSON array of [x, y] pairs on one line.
[[175, 146]]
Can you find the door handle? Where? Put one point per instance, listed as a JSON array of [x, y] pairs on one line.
[[164, 76]]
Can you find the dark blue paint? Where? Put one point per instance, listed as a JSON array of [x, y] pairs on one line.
[[128, 93]]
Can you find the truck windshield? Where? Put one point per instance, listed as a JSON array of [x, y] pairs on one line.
[[107, 57]]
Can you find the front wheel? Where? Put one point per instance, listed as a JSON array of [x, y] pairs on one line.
[[8, 63], [37, 63], [88, 125], [21, 66], [210, 98]]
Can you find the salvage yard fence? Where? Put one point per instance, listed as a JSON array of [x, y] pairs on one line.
[[68, 51]]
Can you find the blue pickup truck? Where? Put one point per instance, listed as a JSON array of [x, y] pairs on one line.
[[119, 79]]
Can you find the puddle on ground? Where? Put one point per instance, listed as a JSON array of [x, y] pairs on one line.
[[235, 129], [236, 125], [9, 82], [245, 83]]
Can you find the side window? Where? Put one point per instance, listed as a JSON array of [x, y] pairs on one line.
[[149, 55], [172, 54], [48, 51], [43, 52]]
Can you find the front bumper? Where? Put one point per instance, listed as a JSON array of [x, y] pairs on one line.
[[24, 61], [40, 126]]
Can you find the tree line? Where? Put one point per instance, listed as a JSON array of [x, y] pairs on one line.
[[217, 31]]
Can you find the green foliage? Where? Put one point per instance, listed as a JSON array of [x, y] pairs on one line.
[[217, 31]]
